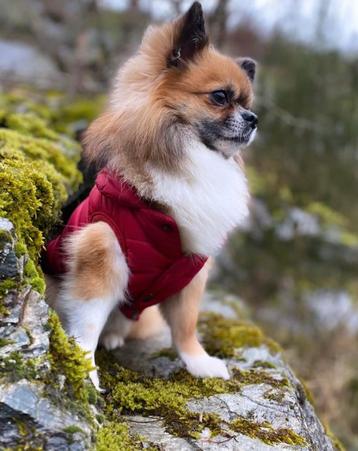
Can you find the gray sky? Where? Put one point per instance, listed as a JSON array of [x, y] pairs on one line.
[[298, 18]]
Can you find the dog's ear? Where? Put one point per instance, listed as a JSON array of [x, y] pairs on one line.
[[248, 65], [190, 36]]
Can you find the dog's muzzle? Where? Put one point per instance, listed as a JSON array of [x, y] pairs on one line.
[[250, 118]]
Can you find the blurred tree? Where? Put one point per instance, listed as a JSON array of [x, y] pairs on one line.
[[133, 5], [218, 22], [177, 6]]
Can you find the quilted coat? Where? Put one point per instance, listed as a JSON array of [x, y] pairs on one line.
[[149, 239]]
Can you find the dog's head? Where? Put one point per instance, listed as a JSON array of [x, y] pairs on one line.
[[177, 87], [210, 91]]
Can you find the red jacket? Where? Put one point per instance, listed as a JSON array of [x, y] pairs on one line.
[[149, 239]]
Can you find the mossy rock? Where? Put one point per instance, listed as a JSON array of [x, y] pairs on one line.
[[46, 401], [44, 387], [263, 406], [36, 176]]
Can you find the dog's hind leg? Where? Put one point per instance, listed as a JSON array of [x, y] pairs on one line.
[[115, 331], [118, 328], [95, 283]]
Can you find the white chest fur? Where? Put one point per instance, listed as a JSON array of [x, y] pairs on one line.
[[208, 202]]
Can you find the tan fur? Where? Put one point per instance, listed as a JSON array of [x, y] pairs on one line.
[[149, 324], [182, 312], [92, 261], [151, 113]]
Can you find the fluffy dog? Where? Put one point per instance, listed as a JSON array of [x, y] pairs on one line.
[[171, 188]]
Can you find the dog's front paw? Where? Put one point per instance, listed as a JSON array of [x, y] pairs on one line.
[[205, 366]]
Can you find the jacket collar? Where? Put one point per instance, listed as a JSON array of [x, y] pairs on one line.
[[117, 188]]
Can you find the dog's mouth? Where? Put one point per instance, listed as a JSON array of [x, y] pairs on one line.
[[243, 138], [226, 140]]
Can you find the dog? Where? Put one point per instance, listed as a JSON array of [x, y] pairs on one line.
[[171, 188]]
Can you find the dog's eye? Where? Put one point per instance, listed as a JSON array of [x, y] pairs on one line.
[[219, 97]]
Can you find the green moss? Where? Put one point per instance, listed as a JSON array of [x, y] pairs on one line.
[[5, 237], [31, 196], [266, 433], [20, 249], [34, 148], [223, 337], [5, 287], [263, 364], [137, 393], [68, 359], [53, 108], [3, 310], [274, 395], [35, 179], [21, 427], [29, 123], [73, 429], [307, 392], [5, 342], [115, 436], [33, 277], [249, 377], [36, 175], [79, 111], [16, 367]]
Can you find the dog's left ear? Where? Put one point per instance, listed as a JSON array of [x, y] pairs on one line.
[[248, 65], [190, 37]]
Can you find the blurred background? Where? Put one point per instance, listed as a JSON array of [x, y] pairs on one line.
[[295, 265]]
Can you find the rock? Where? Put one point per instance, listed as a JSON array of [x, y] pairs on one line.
[[31, 411], [8, 261], [26, 64], [269, 410], [46, 401], [266, 409], [38, 420], [152, 402], [154, 431]]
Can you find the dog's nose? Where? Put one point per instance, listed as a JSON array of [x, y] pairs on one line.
[[250, 117]]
